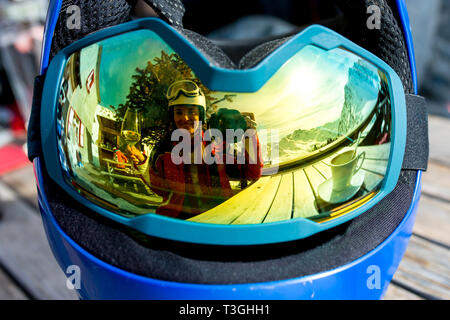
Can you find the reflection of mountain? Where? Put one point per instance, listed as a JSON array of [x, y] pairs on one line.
[[360, 94], [358, 91], [301, 142]]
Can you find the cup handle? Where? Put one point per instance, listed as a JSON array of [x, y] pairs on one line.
[[363, 154]]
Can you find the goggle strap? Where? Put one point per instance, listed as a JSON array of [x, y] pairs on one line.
[[417, 146], [33, 131]]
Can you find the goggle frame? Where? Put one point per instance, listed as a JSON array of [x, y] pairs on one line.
[[221, 79]]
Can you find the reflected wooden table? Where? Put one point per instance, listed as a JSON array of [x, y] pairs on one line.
[[294, 194]]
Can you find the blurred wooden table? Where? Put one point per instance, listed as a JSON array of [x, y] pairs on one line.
[[28, 269]]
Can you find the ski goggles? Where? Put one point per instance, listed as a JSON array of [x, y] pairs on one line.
[[317, 134], [186, 87]]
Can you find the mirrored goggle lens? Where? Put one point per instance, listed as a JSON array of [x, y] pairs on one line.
[[313, 142]]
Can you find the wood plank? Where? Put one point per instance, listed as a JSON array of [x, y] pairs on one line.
[[228, 211], [439, 137], [315, 179], [375, 166], [281, 208], [259, 206], [380, 151], [9, 290], [425, 267], [436, 180], [323, 169], [25, 252], [433, 219], [22, 182], [395, 292], [304, 200]]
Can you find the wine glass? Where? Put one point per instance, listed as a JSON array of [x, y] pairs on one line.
[[131, 126]]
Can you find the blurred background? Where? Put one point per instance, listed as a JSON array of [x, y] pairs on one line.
[[21, 25], [430, 25], [35, 275]]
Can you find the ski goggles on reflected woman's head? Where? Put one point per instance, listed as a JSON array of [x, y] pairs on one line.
[[328, 126], [186, 87]]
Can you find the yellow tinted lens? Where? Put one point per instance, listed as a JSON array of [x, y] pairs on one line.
[[312, 142]]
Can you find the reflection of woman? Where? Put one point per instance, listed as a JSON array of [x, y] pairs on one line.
[[191, 188]]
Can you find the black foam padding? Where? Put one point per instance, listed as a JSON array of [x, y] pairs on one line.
[[209, 49], [171, 11], [207, 264], [417, 146], [94, 15], [258, 54]]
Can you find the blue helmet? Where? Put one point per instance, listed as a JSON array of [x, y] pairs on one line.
[[351, 258]]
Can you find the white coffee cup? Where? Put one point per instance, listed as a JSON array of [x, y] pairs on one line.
[[344, 167]]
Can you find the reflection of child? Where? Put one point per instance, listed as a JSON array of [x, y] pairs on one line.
[[119, 156]]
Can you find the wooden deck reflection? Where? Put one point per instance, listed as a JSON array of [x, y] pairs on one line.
[[294, 193]]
